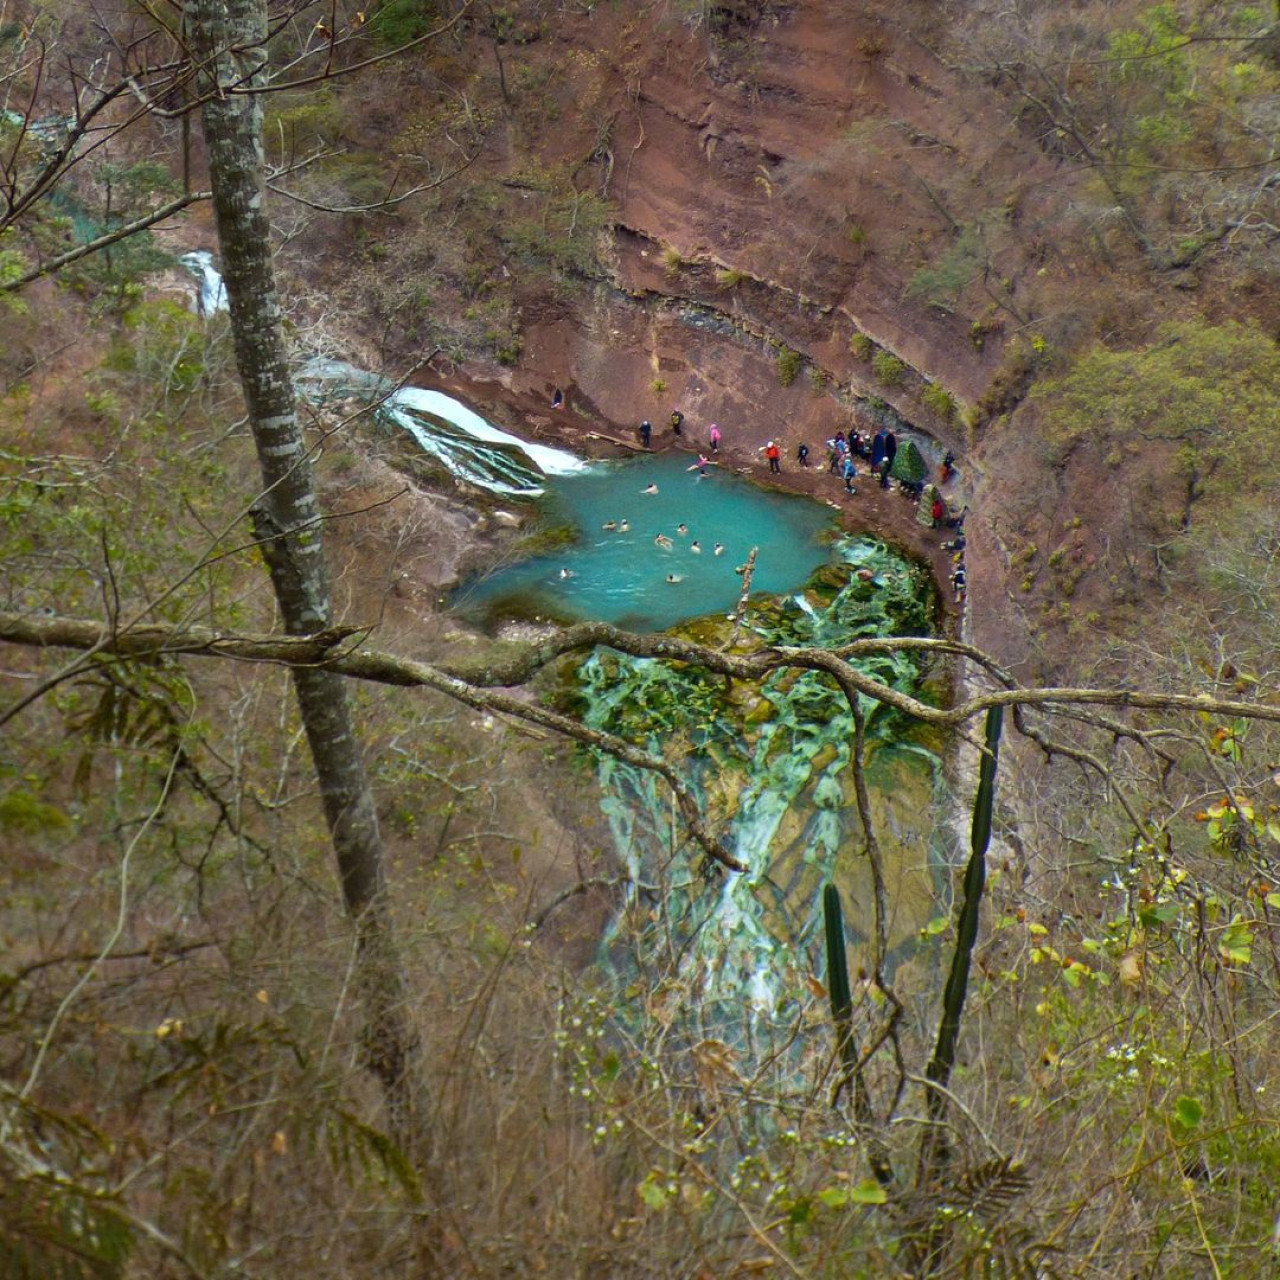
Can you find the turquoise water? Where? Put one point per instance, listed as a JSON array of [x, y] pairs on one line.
[[622, 577]]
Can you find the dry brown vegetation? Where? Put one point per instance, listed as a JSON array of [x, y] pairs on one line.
[[1000, 206]]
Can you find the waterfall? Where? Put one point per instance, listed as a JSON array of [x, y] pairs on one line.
[[459, 438], [212, 295], [774, 775], [551, 462]]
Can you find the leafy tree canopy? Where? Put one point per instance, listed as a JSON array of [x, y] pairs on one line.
[[1211, 390]]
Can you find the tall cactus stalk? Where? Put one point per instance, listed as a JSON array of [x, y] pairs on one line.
[[975, 879], [925, 1254], [838, 982], [851, 1067]]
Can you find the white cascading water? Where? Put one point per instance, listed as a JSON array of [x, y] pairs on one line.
[[551, 462], [459, 438], [211, 297]]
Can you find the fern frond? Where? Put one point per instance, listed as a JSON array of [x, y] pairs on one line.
[[991, 1188]]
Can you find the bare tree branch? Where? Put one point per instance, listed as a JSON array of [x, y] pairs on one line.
[[506, 666], [110, 238]]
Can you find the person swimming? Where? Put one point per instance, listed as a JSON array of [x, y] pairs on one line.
[[650, 488], [624, 525], [682, 529], [567, 573], [696, 547], [719, 549], [675, 577], [663, 541], [609, 525]]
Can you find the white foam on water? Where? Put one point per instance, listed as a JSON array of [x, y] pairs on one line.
[[500, 472]]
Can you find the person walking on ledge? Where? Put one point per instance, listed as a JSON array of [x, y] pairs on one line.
[[774, 455]]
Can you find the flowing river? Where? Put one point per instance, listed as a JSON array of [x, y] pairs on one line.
[[772, 769]]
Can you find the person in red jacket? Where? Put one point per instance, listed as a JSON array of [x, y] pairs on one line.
[[774, 455]]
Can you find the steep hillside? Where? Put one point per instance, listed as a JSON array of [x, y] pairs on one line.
[[1036, 1037], [782, 218]]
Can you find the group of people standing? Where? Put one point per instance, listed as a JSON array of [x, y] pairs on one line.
[[677, 429], [878, 451]]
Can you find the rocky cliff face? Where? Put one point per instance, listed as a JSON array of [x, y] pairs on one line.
[[781, 176], [811, 219]]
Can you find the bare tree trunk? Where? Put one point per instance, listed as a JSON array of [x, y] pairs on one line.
[[229, 38]]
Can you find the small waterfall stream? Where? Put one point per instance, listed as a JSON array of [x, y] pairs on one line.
[[772, 769], [211, 296], [459, 438]]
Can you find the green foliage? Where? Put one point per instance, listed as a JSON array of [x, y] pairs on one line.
[[563, 236], [942, 283], [163, 344], [1167, 89], [70, 523], [299, 125], [938, 400], [730, 277], [362, 179], [128, 188], [13, 265], [868, 1191], [57, 1221], [1009, 383], [1151, 51], [888, 368], [956, 991], [1188, 1113], [399, 21], [1211, 392], [861, 346], [121, 194], [138, 707], [837, 960], [361, 1153], [909, 463], [22, 813], [789, 365]]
